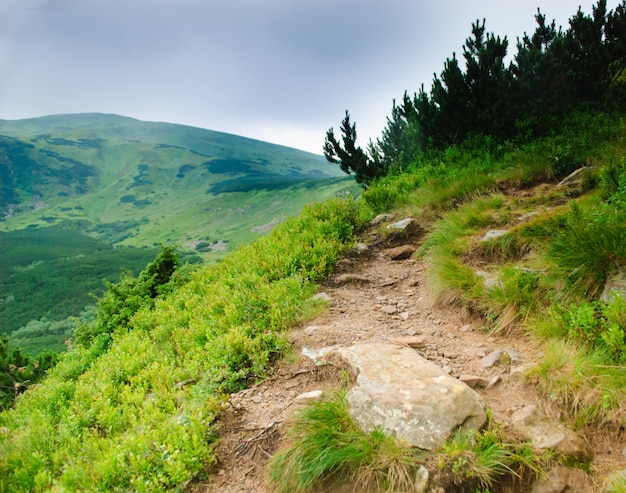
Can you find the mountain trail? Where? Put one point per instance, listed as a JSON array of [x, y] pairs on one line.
[[376, 299]]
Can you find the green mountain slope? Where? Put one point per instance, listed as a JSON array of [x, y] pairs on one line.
[[137, 183], [84, 196]]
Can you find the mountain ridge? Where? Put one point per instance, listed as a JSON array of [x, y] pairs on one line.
[[116, 177]]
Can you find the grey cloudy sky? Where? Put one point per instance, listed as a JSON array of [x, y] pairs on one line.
[[283, 71]]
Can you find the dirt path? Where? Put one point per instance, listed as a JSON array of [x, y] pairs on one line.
[[374, 299]]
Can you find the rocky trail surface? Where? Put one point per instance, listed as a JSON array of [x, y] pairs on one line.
[[375, 299]]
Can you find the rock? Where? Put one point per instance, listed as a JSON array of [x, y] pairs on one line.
[[525, 217], [404, 315], [401, 252], [479, 352], [493, 382], [257, 399], [491, 359], [401, 225], [361, 248], [410, 341], [312, 329], [615, 286], [490, 280], [380, 219], [351, 279], [408, 396], [520, 372], [421, 481], [317, 354], [561, 479], [308, 396], [574, 178], [547, 434], [322, 296], [492, 234], [473, 381], [515, 356], [389, 309]]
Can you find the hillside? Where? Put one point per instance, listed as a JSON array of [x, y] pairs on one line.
[[177, 361], [84, 196], [471, 335], [129, 182]]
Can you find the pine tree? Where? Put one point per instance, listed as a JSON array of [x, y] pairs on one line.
[[349, 157]]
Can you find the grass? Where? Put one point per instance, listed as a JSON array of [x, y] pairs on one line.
[[327, 449], [139, 416]]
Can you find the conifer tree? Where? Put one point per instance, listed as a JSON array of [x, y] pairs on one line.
[[349, 157]]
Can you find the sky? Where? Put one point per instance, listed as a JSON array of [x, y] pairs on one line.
[[282, 71]]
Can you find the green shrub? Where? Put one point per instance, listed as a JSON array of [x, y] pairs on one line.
[[134, 410]]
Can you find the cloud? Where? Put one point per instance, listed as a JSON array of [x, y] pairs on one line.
[[279, 70]]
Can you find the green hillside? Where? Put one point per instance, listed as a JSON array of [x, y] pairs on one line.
[[129, 182], [134, 405], [84, 196]]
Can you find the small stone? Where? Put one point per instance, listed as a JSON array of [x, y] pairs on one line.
[[312, 329], [257, 399], [317, 354], [516, 356], [401, 252], [413, 342], [574, 178], [466, 328], [322, 296], [473, 381], [519, 372], [351, 279], [389, 309], [491, 359], [493, 382], [404, 315], [401, 225], [476, 351], [381, 218], [492, 234], [308, 396], [360, 248], [547, 434]]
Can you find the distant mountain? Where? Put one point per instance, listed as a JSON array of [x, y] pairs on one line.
[[129, 182]]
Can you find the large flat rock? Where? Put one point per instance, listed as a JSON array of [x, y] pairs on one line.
[[408, 396]]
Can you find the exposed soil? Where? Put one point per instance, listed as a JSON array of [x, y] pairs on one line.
[[376, 299]]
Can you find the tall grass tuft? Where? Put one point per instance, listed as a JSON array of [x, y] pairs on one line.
[[583, 383], [327, 448], [588, 247]]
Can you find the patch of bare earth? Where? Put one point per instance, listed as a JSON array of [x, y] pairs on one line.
[[375, 299]]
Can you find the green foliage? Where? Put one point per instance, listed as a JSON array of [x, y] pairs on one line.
[[554, 72], [122, 300], [590, 244], [18, 371], [584, 383], [349, 157], [326, 449], [66, 266], [519, 295], [600, 325], [480, 458], [136, 411]]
